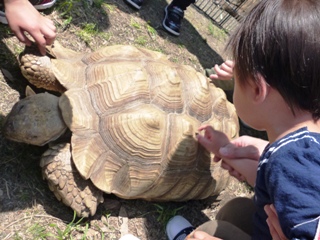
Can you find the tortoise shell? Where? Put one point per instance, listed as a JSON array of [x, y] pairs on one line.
[[133, 115]]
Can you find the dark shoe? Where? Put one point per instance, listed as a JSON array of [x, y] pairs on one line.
[[172, 19], [135, 3], [38, 4]]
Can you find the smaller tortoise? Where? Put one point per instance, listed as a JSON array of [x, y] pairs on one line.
[[132, 115]]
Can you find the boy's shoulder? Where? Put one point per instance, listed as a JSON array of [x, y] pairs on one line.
[[295, 143], [302, 135]]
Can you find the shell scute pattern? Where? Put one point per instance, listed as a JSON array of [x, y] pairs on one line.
[[132, 115], [133, 151]]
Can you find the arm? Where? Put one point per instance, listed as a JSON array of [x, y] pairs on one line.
[[23, 17], [240, 157]]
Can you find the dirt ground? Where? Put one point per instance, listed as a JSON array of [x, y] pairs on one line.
[[28, 209]]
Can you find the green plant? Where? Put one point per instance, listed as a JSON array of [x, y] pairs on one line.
[[110, 7], [98, 3], [174, 59], [105, 35], [106, 221], [141, 40], [71, 227], [151, 30], [165, 213], [87, 32], [216, 32], [135, 24], [65, 7], [39, 232], [66, 22]]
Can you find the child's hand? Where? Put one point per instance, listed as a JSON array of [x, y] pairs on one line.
[[212, 139], [242, 166], [224, 71]]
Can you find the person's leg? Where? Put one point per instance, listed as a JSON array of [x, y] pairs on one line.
[[233, 221], [182, 4], [223, 230], [174, 13], [239, 212]]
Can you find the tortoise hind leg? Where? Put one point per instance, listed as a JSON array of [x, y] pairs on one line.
[[67, 184]]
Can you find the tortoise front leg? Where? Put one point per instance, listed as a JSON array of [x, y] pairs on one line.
[[67, 184]]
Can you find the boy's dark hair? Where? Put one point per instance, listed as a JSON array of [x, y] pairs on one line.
[[280, 40]]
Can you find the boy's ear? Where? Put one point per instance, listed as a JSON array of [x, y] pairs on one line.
[[261, 89]]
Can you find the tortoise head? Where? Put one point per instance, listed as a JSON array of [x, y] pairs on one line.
[[35, 120]]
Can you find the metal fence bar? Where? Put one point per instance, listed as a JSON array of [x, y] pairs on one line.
[[225, 13]]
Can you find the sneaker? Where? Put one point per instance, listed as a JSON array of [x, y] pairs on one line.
[[38, 4], [172, 19], [178, 228], [135, 3], [3, 18], [42, 4]]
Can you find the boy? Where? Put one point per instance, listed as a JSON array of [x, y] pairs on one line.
[[277, 89]]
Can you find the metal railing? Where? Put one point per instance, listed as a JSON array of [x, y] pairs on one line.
[[225, 13]]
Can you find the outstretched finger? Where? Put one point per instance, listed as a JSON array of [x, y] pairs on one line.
[[229, 63], [227, 68], [205, 142], [221, 74], [40, 40], [212, 140]]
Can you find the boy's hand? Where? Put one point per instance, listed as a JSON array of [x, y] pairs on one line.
[[242, 166], [212, 139]]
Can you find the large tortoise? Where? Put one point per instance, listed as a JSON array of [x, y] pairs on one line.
[[132, 115]]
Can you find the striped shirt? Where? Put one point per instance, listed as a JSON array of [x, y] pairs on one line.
[[288, 176]]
